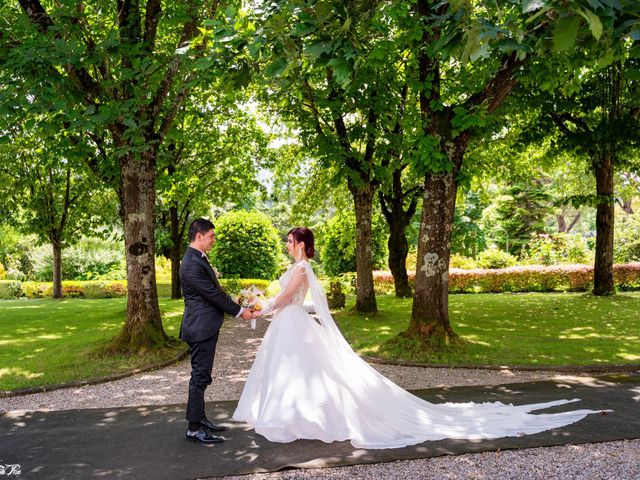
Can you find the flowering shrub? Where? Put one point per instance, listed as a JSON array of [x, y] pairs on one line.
[[530, 278], [383, 282]]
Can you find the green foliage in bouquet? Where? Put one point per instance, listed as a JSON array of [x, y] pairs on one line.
[[247, 246], [339, 244]]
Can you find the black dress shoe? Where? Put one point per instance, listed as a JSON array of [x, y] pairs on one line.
[[205, 422], [203, 436]]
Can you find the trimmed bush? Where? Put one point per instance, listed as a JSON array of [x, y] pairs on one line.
[[247, 246], [116, 288], [76, 289], [495, 258], [538, 278], [460, 261]]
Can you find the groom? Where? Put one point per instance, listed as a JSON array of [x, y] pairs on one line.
[[205, 304]]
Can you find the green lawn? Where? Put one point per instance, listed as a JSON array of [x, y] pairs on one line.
[[44, 342], [511, 329]]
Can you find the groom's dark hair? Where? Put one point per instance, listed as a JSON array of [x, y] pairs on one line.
[[199, 225]]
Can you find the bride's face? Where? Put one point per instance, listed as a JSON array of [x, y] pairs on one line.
[[292, 245]]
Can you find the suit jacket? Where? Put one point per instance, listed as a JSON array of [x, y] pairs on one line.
[[205, 303]]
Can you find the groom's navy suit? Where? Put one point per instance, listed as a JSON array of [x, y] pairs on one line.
[[205, 304]]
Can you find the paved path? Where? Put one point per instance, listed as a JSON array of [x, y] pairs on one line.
[[167, 388]]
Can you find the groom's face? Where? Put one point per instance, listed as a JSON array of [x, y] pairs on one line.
[[207, 240]]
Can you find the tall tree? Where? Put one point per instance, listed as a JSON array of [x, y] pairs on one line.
[[401, 189], [334, 72], [469, 57], [212, 157], [604, 125], [591, 109], [46, 190], [117, 74], [399, 203]]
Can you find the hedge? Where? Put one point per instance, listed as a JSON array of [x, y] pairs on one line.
[[104, 289], [530, 278]]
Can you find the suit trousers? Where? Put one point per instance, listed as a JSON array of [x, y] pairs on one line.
[[202, 354]]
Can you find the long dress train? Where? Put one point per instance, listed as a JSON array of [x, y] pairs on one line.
[[307, 383]]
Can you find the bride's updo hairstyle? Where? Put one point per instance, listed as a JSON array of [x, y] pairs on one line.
[[303, 234]]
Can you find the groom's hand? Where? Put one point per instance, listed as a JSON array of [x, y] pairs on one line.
[[247, 314]]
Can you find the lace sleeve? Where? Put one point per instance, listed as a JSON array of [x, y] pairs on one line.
[[297, 282]]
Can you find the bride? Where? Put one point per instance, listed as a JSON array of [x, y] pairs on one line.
[[307, 382]]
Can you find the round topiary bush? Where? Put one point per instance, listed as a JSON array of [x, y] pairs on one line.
[[247, 246], [338, 249]]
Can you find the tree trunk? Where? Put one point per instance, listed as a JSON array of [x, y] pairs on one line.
[[143, 328], [626, 206], [398, 250], [562, 223], [603, 268], [174, 253], [430, 314], [392, 206], [57, 270], [365, 294]]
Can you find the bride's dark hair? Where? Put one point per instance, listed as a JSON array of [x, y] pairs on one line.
[[303, 234]]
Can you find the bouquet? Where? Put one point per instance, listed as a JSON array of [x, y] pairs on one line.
[[253, 298]]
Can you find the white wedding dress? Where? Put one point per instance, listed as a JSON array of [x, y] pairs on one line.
[[307, 382]]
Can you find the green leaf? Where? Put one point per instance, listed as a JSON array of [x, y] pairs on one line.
[[632, 74], [275, 68], [595, 4], [595, 25], [565, 33], [319, 48], [341, 71], [607, 59], [230, 11], [203, 63], [472, 45]]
